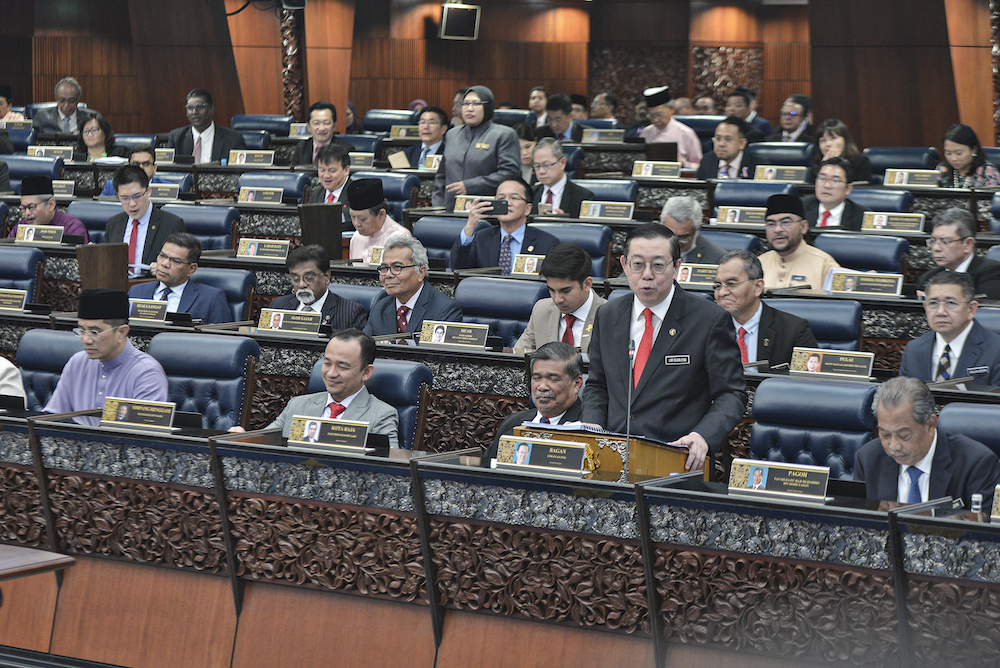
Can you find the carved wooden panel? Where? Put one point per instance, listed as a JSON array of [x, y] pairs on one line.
[[61, 295], [888, 353], [21, 520], [458, 420], [954, 624], [737, 447], [717, 70], [258, 302], [628, 69], [291, 72], [271, 395]]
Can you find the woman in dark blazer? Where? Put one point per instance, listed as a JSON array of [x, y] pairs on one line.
[[833, 139]]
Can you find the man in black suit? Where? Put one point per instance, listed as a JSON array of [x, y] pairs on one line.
[[4, 177], [689, 387], [682, 215], [830, 206], [67, 117], [762, 333], [953, 246], [407, 300], [334, 173], [727, 160], [742, 103], [432, 128], [204, 139], [912, 460], [560, 124], [309, 270], [555, 375], [554, 188], [322, 125], [796, 117], [141, 225], [485, 248]]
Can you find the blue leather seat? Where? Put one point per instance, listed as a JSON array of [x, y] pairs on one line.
[[512, 117], [130, 141], [4, 212], [94, 216], [25, 165], [503, 304], [212, 225], [791, 153], [900, 157], [594, 239], [21, 139], [209, 374], [382, 120], [977, 421], [992, 154], [875, 199], [995, 215], [611, 190], [703, 126], [21, 269], [397, 383], [818, 423], [993, 253], [20, 110], [277, 125], [364, 295], [400, 190], [743, 192], [41, 356], [865, 253], [836, 323], [366, 144], [438, 234], [293, 183], [989, 317], [184, 180], [600, 123], [236, 283], [256, 140], [574, 156], [730, 241]]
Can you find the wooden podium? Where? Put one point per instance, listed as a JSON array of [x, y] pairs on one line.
[[605, 452], [323, 224], [103, 266]]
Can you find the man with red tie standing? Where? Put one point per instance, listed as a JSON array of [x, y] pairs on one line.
[[688, 385], [141, 225]]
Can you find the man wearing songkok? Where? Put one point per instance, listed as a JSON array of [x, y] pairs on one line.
[[38, 207], [792, 261], [371, 220], [665, 128]]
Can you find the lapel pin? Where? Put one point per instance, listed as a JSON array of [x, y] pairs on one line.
[[531, 248], [672, 331], [767, 342]]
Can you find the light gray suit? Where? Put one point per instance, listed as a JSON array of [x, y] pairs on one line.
[[543, 326], [380, 416]]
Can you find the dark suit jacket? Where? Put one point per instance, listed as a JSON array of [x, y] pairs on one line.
[[413, 153], [484, 251], [46, 121], [6, 147], [779, 332], [705, 252], [161, 226], [576, 132], [431, 305], [572, 414], [4, 177], [806, 136], [572, 197], [203, 302], [849, 220], [226, 140], [709, 167], [702, 389], [981, 349], [338, 313], [318, 195], [961, 467], [986, 274], [303, 154], [760, 127]]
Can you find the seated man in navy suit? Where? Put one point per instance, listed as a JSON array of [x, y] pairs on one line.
[[486, 248], [174, 265], [957, 345], [727, 159], [407, 300], [309, 269], [432, 128], [554, 187], [204, 139]]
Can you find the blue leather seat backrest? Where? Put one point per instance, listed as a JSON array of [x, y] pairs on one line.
[[703, 126], [620, 292], [594, 239], [865, 253], [397, 187], [792, 153], [734, 240], [213, 225], [977, 421], [20, 110], [4, 211], [30, 165], [21, 139], [129, 141], [875, 199], [503, 304], [836, 323], [900, 157], [382, 120], [183, 180], [819, 423], [600, 123], [438, 234], [256, 140], [993, 253], [511, 117], [41, 356], [19, 269], [574, 156], [610, 190], [743, 192], [995, 215], [236, 283], [293, 183], [989, 317], [364, 295], [94, 216], [207, 374], [275, 124], [992, 154], [397, 383], [366, 143]]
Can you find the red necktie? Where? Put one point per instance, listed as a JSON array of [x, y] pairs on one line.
[[645, 346], [131, 244], [743, 346], [826, 217], [567, 336], [197, 150], [401, 319], [545, 420], [335, 409], [329, 198], [548, 197]]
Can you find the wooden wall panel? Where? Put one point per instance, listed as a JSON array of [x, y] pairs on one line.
[[717, 25], [256, 39], [785, 33], [638, 21], [972, 64], [29, 607], [328, 31], [16, 30]]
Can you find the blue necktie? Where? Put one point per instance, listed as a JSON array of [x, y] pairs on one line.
[[944, 364], [914, 495], [505, 255], [423, 156]]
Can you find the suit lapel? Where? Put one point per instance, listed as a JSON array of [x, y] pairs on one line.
[[419, 309], [923, 350], [971, 351], [588, 325], [154, 223], [528, 245], [765, 335], [940, 473], [188, 297], [359, 406], [550, 325]]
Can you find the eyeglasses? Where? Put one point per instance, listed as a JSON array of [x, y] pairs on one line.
[[948, 304], [132, 198], [430, 122], [196, 107], [932, 242], [30, 208], [785, 224], [789, 114], [91, 333], [730, 284], [471, 105], [718, 139], [142, 165], [511, 196], [639, 266], [832, 180], [304, 278], [394, 268], [544, 166], [176, 261], [91, 131]]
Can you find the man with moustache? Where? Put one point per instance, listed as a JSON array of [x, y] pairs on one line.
[[309, 271], [792, 261]]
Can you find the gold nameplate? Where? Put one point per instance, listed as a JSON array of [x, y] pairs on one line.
[[376, 257], [164, 191], [64, 152], [13, 300], [893, 223], [39, 234], [362, 160], [459, 335], [323, 435], [602, 136], [866, 283], [299, 131], [780, 173], [607, 210], [745, 215], [697, 274], [148, 310], [15, 125], [164, 155], [911, 177], [63, 188], [251, 158], [260, 195], [122, 412], [527, 265], [404, 132], [482, 146], [541, 456], [262, 248], [432, 162], [464, 202], [760, 478], [655, 169], [847, 364], [300, 322], [995, 511]]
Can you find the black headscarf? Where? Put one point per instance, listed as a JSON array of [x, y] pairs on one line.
[[486, 95]]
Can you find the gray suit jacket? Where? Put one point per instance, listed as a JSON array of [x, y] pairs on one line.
[[705, 252], [380, 416], [46, 121], [543, 326], [981, 351]]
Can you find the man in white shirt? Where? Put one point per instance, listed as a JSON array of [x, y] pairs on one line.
[[334, 170], [372, 224], [204, 139], [66, 117], [554, 189], [830, 207]]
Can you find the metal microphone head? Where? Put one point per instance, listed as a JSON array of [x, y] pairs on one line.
[[631, 347]]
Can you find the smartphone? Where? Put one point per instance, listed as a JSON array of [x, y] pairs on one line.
[[499, 207]]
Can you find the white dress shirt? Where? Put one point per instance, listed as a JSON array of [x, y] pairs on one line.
[[207, 143], [752, 327], [557, 193], [903, 486], [836, 213], [316, 306], [734, 167], [140, 240], [174, 298], [345, 403], [581, 317], [957, 344], [639, 322]]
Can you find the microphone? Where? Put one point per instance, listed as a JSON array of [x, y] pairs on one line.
[[628, 404]]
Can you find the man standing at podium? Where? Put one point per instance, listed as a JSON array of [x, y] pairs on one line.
[[688, 387]]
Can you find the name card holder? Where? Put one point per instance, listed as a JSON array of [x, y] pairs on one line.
[[527, 265], [325, 436], [299, 131], [257, 158], [463, 202], [260, 195], [64, 152], [431, 163], [602, 136], [162, 192], [745, 215], [593, 210], [164, 155], [888, 222], [15, 125], [926, 178], [796, 483], [843, 282], [840, 364], [135, 414], [289, 322], [404, 132], [63, 188], [147, 310], [785, 173], [542, 456], [375, 259], [13, 300], [453, 335], [995, 511], [361, 160], [268, 248], [697, 274], [654, 169], [39, 234]]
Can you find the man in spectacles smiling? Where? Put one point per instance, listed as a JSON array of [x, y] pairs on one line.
[[953, 247], [830, 207], [560, 195], [309, 269], [792, 261], [141, 225]]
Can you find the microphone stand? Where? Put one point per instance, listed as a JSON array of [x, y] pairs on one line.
[[628, 405]]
